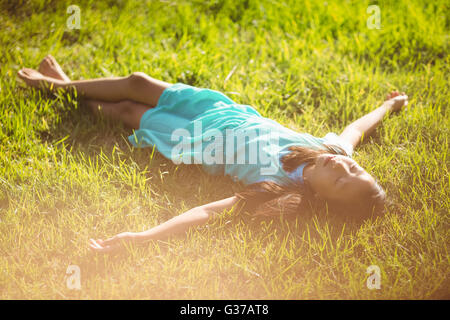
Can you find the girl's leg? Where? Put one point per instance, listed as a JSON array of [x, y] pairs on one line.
[[138, 86], [129, 112]]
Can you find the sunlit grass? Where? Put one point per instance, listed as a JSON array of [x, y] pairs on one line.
[[314, 66]]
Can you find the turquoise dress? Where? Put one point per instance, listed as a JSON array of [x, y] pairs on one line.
[[193, 125]]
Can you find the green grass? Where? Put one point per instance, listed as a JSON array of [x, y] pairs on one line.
[[313, 66]]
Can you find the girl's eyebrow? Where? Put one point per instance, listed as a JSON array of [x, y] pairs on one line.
[[358, 173]]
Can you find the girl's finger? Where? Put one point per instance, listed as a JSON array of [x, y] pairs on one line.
[[102, 250], [95, 244], [93, 248]]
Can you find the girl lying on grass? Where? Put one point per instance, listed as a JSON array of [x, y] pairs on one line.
[[284, 171]]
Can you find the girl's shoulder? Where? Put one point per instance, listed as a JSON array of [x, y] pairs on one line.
[[332, 139]]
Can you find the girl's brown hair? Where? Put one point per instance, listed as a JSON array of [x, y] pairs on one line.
[[270, 199]]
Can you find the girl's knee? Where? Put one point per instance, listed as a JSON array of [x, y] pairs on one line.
[[145, 89], [138, 79], [126, 107], [131, 108]]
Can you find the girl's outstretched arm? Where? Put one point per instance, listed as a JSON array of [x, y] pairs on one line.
[[364, 126], [193, 217]]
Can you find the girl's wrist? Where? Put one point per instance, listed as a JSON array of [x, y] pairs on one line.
[[139, 237], [388, 105], [132, 236]]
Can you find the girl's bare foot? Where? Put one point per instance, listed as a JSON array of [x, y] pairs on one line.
[[37, 80], [50, 68]]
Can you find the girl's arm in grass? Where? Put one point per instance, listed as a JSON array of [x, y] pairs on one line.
[[191, 218], [358, 130]]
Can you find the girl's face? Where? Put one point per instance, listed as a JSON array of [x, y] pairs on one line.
[[337, 177]]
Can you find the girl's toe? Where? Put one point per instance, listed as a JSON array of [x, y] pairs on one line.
[[50, 60], [24, 73]]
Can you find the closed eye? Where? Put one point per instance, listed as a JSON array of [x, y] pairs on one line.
[[355, 169]]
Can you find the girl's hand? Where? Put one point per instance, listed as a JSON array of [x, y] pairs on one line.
[[395, 101], [111, 244]]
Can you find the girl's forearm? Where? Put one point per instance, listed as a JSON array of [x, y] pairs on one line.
[[365, 125], [370, 121], [193, 217]]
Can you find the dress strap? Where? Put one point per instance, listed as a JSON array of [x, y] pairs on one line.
[[297, 174]]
